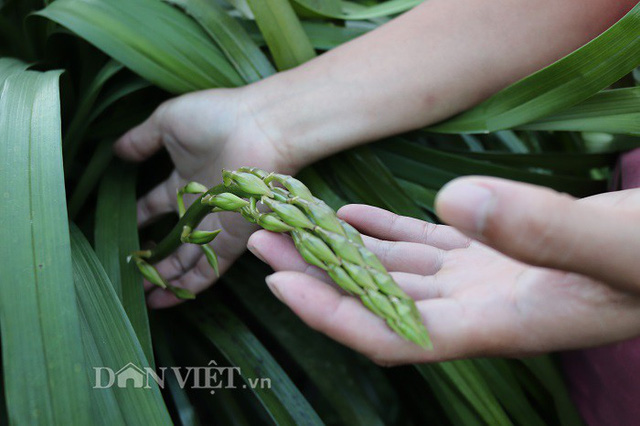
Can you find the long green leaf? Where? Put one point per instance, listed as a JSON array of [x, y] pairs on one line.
[[230, 36], [111, 339], [354, 11], [610, 111], [572, 79], [116, 237], [415, 163], [10, 66], [283, 32], [42, 351], [331, 368], [225, 330], [80, 122], [152, 38]]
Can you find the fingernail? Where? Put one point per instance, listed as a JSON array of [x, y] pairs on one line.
[[465, 205], [272, 286], [256, 253]]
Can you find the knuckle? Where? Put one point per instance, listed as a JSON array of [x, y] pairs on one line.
[[426, 231], [177, 263]]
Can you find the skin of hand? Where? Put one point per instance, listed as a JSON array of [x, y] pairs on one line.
[[525, 271], [369, 88], [203, 132]]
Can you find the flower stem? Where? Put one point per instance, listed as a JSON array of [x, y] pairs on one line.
[[192, 218]]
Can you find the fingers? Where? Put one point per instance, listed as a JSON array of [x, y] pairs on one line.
[[383, 224], [406, 257], [454, 333], [544, 228], [197, 279], [144, 140], [342, 318], [279, 252]]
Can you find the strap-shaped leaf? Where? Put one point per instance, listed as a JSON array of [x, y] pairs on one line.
[[610, 111], [354, 11], [110, 341], [572, 79], [283, 32], [232, 38], [282, 400], [150, 37], [116, 236], [43, 358]]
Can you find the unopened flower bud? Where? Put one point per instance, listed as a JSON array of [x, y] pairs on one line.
[[289, 214], [194, 188], [351, 232], [212, 259], [254, 171], [360, 275], [307, 255], [201, 237], [150, 273], [387, 285], [293, 185], [341, 246], [225, 201], [383, 304], [322, 215], [181, 293], [371, 259], [271, 222], [343, 279], [247, 182], [316, 246]]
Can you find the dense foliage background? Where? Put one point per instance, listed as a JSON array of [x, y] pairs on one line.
[[69, 301]]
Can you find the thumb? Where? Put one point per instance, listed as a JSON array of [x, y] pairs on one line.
[[144, 140], [544, 228]]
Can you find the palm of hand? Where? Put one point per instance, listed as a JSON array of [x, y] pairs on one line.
[[203, 133], [474, 300]]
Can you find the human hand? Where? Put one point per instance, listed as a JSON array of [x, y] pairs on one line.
[[476, 301], [203, 133]]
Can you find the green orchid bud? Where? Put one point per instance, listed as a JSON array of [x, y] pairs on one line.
[[254, 171], [307, 255], [293, 185], [322, 214], [366, 301], [290, 214], [181, 293], [212, 258], [150, 273], [248, 214], [351, 232], [371, 259], [343, 279], [201, 237], [383, 304], [419, 337], [360, 275], [387, 285], [271, 222], [280, 194], [247, 182], [341, 246], [194, 188], [317, 247], [225, 201]]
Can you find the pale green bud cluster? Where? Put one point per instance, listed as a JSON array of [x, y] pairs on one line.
[[281, 203], [329, 243]]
